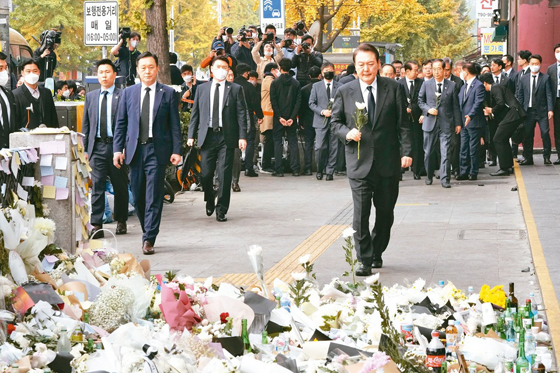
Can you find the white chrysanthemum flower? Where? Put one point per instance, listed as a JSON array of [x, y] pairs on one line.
[[348, 232], [298, 276], [255, 250], [361, 105], [304, 259], [372, 279], [45, 226]]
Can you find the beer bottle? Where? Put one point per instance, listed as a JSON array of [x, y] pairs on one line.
[[538, 366], [245, 336], [511, 297]]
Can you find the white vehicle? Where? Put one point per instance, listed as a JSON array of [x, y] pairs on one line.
[[276, 13]]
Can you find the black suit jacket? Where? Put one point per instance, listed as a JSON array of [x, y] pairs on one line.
[[382, 144], [13, 119], [505, 107], [458, 82], [234, 115], [412, 100], [44, 111], [347, 79], [507, 82], [252, 98], [176, 78], [305, 113], [552, 72], [543, 97], [90, 119]]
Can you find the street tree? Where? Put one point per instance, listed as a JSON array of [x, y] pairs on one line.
[[157, 38]]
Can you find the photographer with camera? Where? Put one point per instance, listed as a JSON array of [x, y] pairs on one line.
[[270, 31], [127, 54], [305, 58], [290, 44], [45, 55], [225, 35], [242, 48], [269, 45]]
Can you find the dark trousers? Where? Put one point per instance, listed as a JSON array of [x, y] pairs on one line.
[[501, 143], [250, 150], [326, 149], [557, 125], [268, 149], [291, 135], [455, 151], [147, 179], [417, 147], [309, 137], [341, 157], [530, 123], [101, 162], [215, 153], [492, 128], [470, 143], [432, 140], [383, 191]]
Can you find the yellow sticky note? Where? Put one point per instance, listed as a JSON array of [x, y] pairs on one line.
[[16, 158], [49, 191], [95, 244]]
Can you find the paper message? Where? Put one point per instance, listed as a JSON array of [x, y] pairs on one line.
[[49, 192], [46, 160], [61, 163], [47, 171], [61, 193], [61, 182], [27, 181], [22, 193], [47, 180]]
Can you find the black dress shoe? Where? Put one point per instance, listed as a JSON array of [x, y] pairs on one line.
[[221, 217], [363, 271], [121, 227], [251, 173], [473, 177], [437, 177], [319, 176], [340, 173], [210, 206], [97, 232], [235, 187], [306, 173], [547, 161], [526, 162], [445, 183], [557, 162], [500, 172], [377, 263], [429, 181], [329, 177], [417, 177], [148, 248], [463, 177], [278, 174], [295, 173]]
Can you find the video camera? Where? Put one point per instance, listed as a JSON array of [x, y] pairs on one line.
[[124, 32], [305, 45], [269, 37], [300, 25], [49, 38], [228, 30], [288, 43], [242, 37]]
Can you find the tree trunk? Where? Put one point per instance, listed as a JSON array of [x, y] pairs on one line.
[[158, 38]]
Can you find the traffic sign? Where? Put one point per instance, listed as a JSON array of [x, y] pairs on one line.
[[273, 13], [101, 23]]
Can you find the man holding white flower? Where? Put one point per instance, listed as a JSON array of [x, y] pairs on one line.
[[369, 115], [321, 102]]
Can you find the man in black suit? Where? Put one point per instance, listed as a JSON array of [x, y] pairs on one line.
[[508, 114], [455, 147], [9, 111], [350, 75], [374, 154], [509, 71], [523, 66], [98, 126], [219, 116], [554, 72], [176, 78], [147, 137], [412, 85], [305, 118], [285, 97], [35, 104], [535, 94]]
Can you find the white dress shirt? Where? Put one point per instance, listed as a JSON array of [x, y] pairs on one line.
[[436, 87], [221, 89], [152, 100], [558, 79], [531, 87], [5, 98], [34, 92], [365, 91], [507, 72], [110, 92], [468, 86], [497, 77]]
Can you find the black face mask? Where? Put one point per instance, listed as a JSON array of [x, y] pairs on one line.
[[329, 75]]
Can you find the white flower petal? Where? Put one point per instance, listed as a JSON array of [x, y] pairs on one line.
[[348, 232], [298, 276], [372, 279], [304, 259], [361, 105]]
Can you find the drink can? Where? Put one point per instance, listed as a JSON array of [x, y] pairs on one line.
[[407, 329]]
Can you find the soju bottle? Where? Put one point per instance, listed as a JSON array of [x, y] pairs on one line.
[[511, 297], [522, 364], [245, 337]]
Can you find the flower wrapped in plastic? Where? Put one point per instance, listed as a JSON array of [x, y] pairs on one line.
[[178, 313]]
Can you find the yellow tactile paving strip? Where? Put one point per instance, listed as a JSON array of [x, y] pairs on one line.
[[315, 245], [541, 268]]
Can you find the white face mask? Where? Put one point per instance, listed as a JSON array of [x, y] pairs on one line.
[[268, 53], [4, 77], [224, 38], [187, 78], [66, 93], [31, 79], [277, 73], [220, 74], [134, 43], [462, 75], [535, 69], [255, 35], [557, 55]]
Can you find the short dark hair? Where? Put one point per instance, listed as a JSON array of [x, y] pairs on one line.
[[486, 78], [498, 61], [351, 69], [220, 58], [556, 47], [285, 64], [60, 84], [397, 61], [536, 56], [30, 61], [269, 66], [525, 54], [388, 64], [471, 68], [408, 65], [438, 60], [253, 74], [426, 62], [243, 68], [314, 72], [186, 68], [327, 64], [252, 27], [290, 31], [270, 27], [146, 55], [509, 57], [106, 61], [365, 47], [80, 88], [72, 85], [447, 62], [3, 57], [135, 34], [306, 37], [173, 57]]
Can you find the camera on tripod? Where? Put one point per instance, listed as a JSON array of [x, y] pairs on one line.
[[49, 38], [124, 32]]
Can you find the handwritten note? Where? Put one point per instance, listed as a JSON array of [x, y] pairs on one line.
[[61, 163], [46, 171], [46, 160], [61, 182], [22, 193], [48, 180], [27, 181], [61, 193], [49, 192]]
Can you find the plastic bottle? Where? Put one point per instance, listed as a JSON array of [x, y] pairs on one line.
[[63, 344], [460, 331], [285, 302], [530, 345], [450, 338], [77, 336], [538, 366], [435, 353], [470, 291], [534, 307]]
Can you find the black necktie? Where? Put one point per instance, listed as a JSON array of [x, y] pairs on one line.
[[439, 88], [329, 91], [497, 79], [216, 108], [145, 117], [103, 118], [534, 90], [5, 120], [466, 92], [411, 88], [371, 105]]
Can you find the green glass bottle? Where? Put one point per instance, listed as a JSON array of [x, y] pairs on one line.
[[501, 329], [522, 364], [245, 336], [512, 299]]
